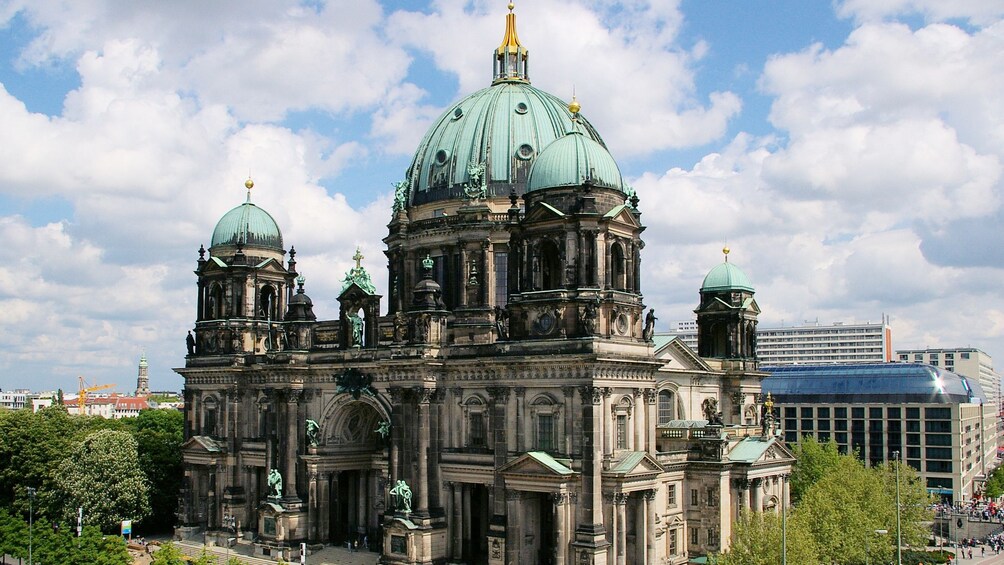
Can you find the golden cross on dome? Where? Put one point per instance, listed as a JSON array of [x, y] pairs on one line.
[[358, 257]]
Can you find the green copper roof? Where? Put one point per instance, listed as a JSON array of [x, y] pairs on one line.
[[726, 277], [570, 160], [249, 225], [504, 127]]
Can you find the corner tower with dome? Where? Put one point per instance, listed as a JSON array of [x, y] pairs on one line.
[[503, 401]]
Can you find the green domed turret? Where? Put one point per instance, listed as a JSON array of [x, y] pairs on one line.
[[726, 276], [570, 161], [249, 226]]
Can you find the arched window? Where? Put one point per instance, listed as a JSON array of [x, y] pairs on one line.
[[267, 303], [209, 407], [477, 422], [618, 280], [214, 309], [667, 409], [544, 412], [550, 266]]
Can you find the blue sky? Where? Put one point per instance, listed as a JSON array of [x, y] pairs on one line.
[[850, 153]]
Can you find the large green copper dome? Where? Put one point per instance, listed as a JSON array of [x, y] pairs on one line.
[[504, 127], [250, 226], [572, 159], [726, 276]]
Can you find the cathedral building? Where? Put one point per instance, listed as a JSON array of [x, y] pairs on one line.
[[510, 404]]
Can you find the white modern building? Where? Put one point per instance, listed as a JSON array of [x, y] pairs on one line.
[[815, 344]]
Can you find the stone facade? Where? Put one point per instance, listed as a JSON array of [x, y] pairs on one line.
[[512, 384]]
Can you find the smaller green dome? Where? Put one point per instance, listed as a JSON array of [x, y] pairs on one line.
[[726, 276], [569, 160], [250, 226]]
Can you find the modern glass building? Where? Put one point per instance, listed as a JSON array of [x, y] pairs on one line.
[[939, 422]]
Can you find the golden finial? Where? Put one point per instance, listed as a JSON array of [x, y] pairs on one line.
[[511, 6], [249, 184], [726, 250], [574, 105]]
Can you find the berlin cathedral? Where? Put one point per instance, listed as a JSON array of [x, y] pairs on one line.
[[512, 404]]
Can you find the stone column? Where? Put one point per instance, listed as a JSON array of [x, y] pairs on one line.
[[363, 502], [465, 533], [422, 406], [639, 420], [313, 507], [620, 527], [397, 435], [464, 270], [456, 415], [651, 399], [514, 519], [606, 421], [522, 435], [560, 528], [649, 526], [568, 433], [756, 495], [457, 527], [292, 443], [590, 531]]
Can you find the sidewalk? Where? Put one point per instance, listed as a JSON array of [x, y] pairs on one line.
[[330, 555]]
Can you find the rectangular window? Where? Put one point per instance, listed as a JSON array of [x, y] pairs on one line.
[[695, 499], [939, 466], [938, 413], [545, 432], [673, 547], [938, 427], [824, 425], [712, 537], [875, 412], [711, 496], [913, 452], [790, 412], [938, 439], [695, 536], [477, 431], [858, 412], [501, 278], [913, 413], [621, 431], [807, 412], [671, 496], [841, 425], [939, 452], [964, 355], [840, 412], [823, 412], [840, 437], [913, 439]]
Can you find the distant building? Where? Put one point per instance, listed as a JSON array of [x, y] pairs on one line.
[[143, 378], [938, 421], [14, 399], [966, 361], [813, 343]]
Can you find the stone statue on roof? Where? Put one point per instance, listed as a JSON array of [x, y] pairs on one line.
[[401, 195], [274, 484], [312, 429], [402, 496]]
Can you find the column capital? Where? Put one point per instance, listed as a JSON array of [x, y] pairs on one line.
[[498, 394], [559, 498], [650, 395], [590, 394], [568, 391], [650, 495], [520, 391]]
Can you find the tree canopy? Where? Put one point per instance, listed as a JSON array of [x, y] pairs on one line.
[[102, 475]]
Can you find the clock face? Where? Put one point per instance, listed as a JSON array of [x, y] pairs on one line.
[[546, 322]]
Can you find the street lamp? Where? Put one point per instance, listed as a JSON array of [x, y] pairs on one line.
[[899, 532], [31, 511], [868, 541]]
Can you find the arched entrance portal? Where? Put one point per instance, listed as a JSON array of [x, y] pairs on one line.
[[356, 460]]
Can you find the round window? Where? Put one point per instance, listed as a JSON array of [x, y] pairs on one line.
[[458, 113], [521, 108], [524, 151], [442, 156]]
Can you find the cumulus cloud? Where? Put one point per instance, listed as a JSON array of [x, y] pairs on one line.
[[878, 189]]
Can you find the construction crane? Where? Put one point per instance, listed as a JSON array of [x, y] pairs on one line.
[[82, 394]]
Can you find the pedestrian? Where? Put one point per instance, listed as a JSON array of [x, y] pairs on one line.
[[355, 547]]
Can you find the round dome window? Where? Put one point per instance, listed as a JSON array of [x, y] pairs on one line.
[[521, 108], [442, 156], [458, 113], [524, 151]]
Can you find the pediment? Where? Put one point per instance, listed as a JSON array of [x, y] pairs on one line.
[[622, 215], [353, 293], [539, 464], [634, 464], [679, 356], [542, 211], [758, 450], [202, 444]]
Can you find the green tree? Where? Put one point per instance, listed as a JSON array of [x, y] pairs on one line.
[[102, 474], [13, 536], [995, 484], [168, 554], [159, 435], [914, 501], [756, 540], [813, 460]]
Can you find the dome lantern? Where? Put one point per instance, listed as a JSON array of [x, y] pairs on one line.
[[510, 58]]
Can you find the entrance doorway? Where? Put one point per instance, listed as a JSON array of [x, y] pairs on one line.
[[352, 516], [476, 529]]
